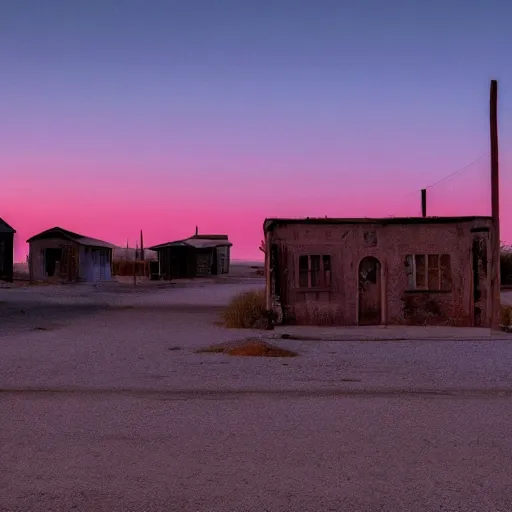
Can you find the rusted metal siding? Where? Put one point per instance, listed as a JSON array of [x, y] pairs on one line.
[[348, 244], [94, 264], [78, 262], [223, 254]]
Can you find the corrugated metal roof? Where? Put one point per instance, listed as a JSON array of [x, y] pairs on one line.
[[94, 242], [178, 243], [203, 243], [211, 237], [197, 243], [75, 237]]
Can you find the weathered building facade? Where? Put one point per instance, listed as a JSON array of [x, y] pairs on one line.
[[197, 256], [6, 251], [66, 256], [412, 271]]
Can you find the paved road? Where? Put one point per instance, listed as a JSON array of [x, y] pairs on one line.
[[114, 411], [220, 452]]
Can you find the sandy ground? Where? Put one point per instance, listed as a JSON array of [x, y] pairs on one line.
[[106, 407]]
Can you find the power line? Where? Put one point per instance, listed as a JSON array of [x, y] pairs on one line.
[[460, 171], [451, 175], [448, 176]]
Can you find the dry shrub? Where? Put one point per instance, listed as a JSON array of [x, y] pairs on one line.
[[130, 268], [506, 266], [249, 348], [258, 348], [506, 316], [246, 311]]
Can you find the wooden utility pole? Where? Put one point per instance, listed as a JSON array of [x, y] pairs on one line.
[[495, 201], [141, 246], [423, 202], [135, 266]]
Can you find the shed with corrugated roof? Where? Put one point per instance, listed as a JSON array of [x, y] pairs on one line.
[[196, 256], [63, 255]]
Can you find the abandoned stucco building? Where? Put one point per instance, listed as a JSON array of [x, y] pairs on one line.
[[66, 256], [415, 271], [199, 255]]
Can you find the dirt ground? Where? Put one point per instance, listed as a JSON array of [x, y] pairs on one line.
[[107, 407]]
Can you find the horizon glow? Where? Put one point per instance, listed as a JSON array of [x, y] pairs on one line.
[[164, 117]]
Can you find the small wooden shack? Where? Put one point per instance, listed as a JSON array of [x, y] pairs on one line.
[[6, 251], [197, 256], [66, 256]]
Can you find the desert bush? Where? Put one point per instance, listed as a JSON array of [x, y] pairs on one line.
[[506, 267], [129, 268], [248, 348], [506, 316], [246, 311]]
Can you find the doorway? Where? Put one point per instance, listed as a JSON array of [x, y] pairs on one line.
[[370, 300], [480, 282], [51, 258]]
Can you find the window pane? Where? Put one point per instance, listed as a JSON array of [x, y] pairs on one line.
[[326, 261], [446, 272], [433, 261], [433, 279], [303, 272], [315, 270], [409, 259], [303, 263], [420, 270]]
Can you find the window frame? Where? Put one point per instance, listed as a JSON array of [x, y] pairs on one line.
[[413, 274], [324, 283]]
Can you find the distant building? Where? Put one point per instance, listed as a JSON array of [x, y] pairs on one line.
[[412, 271], [131, 254], [66, 256], [199, 255], [6, 251]]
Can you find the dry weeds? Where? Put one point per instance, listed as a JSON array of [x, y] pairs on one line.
[[248, 348], [246, 311], [506, 317]]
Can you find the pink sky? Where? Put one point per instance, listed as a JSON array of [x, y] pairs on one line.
[[114, 210], [121, 116]]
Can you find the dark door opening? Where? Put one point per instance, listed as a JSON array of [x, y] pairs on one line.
[[369, 291], [479, 253], [3, 258], [51, 258]]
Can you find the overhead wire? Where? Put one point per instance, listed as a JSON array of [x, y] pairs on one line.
[[459, 171]]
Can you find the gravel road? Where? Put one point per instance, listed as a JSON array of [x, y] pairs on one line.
[[112, 410]]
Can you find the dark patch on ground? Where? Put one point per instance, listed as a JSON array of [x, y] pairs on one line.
[[250, 347], [37, 316]]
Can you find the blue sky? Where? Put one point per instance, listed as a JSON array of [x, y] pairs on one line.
[[220, 113]]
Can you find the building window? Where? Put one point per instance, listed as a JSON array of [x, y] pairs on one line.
[[370, 238], [315, 271], [430, 272]]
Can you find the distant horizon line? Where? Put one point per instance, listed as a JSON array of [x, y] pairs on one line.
[[233, 260]]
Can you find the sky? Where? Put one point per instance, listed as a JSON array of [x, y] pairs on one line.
[[160, 115]]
